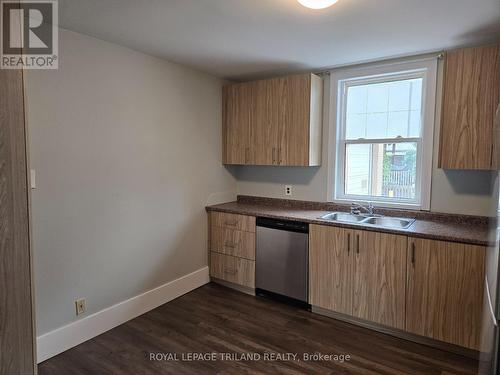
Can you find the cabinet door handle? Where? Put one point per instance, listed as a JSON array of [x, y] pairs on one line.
[[274, 155], [413, 253], [230, 245], [348, 243], [246, 154], [229, 271], [357, 243], [279, 156]]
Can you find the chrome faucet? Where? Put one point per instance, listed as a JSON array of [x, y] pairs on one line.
[[356, 208]]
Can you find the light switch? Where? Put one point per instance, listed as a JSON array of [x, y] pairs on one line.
[[33, 179]]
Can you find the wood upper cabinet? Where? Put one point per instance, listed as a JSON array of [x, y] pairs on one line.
[[278, 121], [379, 278], [445, 291], [266, 124], [330, 268], [238, 109], [299, 119], [471, 95]]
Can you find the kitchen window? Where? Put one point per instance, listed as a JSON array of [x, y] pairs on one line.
[[383, 125]]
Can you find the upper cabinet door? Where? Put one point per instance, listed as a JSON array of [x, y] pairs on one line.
[[296, 124], [380, 278], [471, 94], [267, 121], [285, 122], [238, 111]]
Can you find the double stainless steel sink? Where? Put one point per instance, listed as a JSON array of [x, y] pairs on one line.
[[373, 220]]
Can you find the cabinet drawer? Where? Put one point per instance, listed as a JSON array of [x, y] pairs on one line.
[[232, 242], [234, 221], [235, 270]]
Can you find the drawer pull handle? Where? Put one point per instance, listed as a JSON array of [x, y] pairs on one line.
[[231, 245], [357, 243], [231, 223], [348, 243], [229, 271]]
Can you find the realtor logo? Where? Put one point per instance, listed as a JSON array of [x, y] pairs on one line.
[[29, 34]]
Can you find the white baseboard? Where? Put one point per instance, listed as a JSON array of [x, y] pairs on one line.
[[73, 334]]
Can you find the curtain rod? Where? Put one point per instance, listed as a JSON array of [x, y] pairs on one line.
[[327, 71]]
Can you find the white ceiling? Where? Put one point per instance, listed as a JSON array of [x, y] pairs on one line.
[[241, 39]]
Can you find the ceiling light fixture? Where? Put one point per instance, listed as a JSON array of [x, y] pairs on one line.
[[317, 4]]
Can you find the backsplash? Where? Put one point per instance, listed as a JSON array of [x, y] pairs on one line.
[[328, 206]]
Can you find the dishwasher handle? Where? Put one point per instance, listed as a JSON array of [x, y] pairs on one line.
[[286, 225]]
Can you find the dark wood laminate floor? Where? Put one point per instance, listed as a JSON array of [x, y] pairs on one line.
[[216, 319]]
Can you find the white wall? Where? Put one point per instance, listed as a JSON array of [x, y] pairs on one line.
[[127, 151], [461, 192]]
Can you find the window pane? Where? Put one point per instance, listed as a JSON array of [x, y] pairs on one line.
[[357, 169], [398, 124], [381, 170], [378, 125], [356, 125], [357, 100], [415, 121], [384, 110]]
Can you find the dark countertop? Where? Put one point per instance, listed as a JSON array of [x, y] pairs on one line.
[[455, 228]]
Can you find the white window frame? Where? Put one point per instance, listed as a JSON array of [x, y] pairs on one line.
[[339, 81]]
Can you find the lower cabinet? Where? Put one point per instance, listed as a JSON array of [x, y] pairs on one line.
[[445, 291], [331, 268], [232, 242], [233, 269], [232, 248], [358, 273], [425, 287], [379, 278]]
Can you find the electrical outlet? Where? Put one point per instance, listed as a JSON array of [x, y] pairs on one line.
[[288, 190], [80, 306]]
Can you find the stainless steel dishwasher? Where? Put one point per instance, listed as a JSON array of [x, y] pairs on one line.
[[281, 269]]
